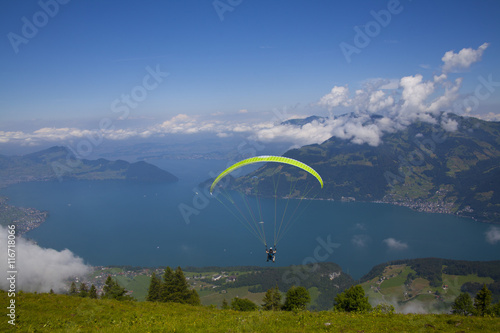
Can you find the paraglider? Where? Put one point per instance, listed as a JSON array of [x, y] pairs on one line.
[[270, 253], [252, 218]]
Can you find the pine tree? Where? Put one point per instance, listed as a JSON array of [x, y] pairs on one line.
[[93, 292], [194, 298], [73, 291], [482, 301], [112, 290], [463, 305], [154, 289], [84, 290], [272, 299], [352, 300], [167, 288], [181, 292], [297, 298], [225, 306]]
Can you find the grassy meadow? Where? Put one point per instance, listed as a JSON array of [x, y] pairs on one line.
[[61, 313]]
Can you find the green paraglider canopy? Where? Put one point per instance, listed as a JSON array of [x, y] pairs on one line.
[[257, 159]]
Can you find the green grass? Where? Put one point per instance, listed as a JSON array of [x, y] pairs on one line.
[[60, 313]]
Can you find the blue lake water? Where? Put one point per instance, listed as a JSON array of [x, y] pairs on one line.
[[126, 223]]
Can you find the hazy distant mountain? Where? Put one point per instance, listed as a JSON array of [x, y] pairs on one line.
[[422, 166], [60, 163], [304, 121]]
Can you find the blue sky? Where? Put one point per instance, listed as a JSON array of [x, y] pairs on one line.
[[226, 56]]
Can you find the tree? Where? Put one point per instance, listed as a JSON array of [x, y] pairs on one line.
[[463, 305], [352, 300], [154, 291], [73, 291], [297, 298], [272, 299], [176, 289], [93, 292], [225, 306], [482, 301], [243, 304], [166, 288], [84, 290], [112, 290]]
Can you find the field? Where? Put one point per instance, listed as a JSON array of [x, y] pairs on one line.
[[61, 313]]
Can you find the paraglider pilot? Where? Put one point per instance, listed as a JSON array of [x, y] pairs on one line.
[[270, 253]]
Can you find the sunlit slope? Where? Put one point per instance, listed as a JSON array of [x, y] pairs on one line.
[[422, 166]]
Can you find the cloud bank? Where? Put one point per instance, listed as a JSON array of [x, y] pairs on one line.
[[40, 269], [396, 102]]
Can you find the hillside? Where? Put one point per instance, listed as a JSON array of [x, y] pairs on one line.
[[429, 284], [61, 313], [58, 163], [422, 167], [323, 280]]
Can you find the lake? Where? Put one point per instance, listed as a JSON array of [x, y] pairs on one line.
[[127, 223]]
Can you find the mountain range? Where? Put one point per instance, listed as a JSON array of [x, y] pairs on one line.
[[422, 166], [60, 163]]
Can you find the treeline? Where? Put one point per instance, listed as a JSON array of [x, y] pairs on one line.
[[111, 290], [308, 276], [352, 299]]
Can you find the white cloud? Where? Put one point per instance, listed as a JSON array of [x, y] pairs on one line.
[[493, 235], [394, 244], [449, 125], [338, 96], [40, 269], [463, 59]]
